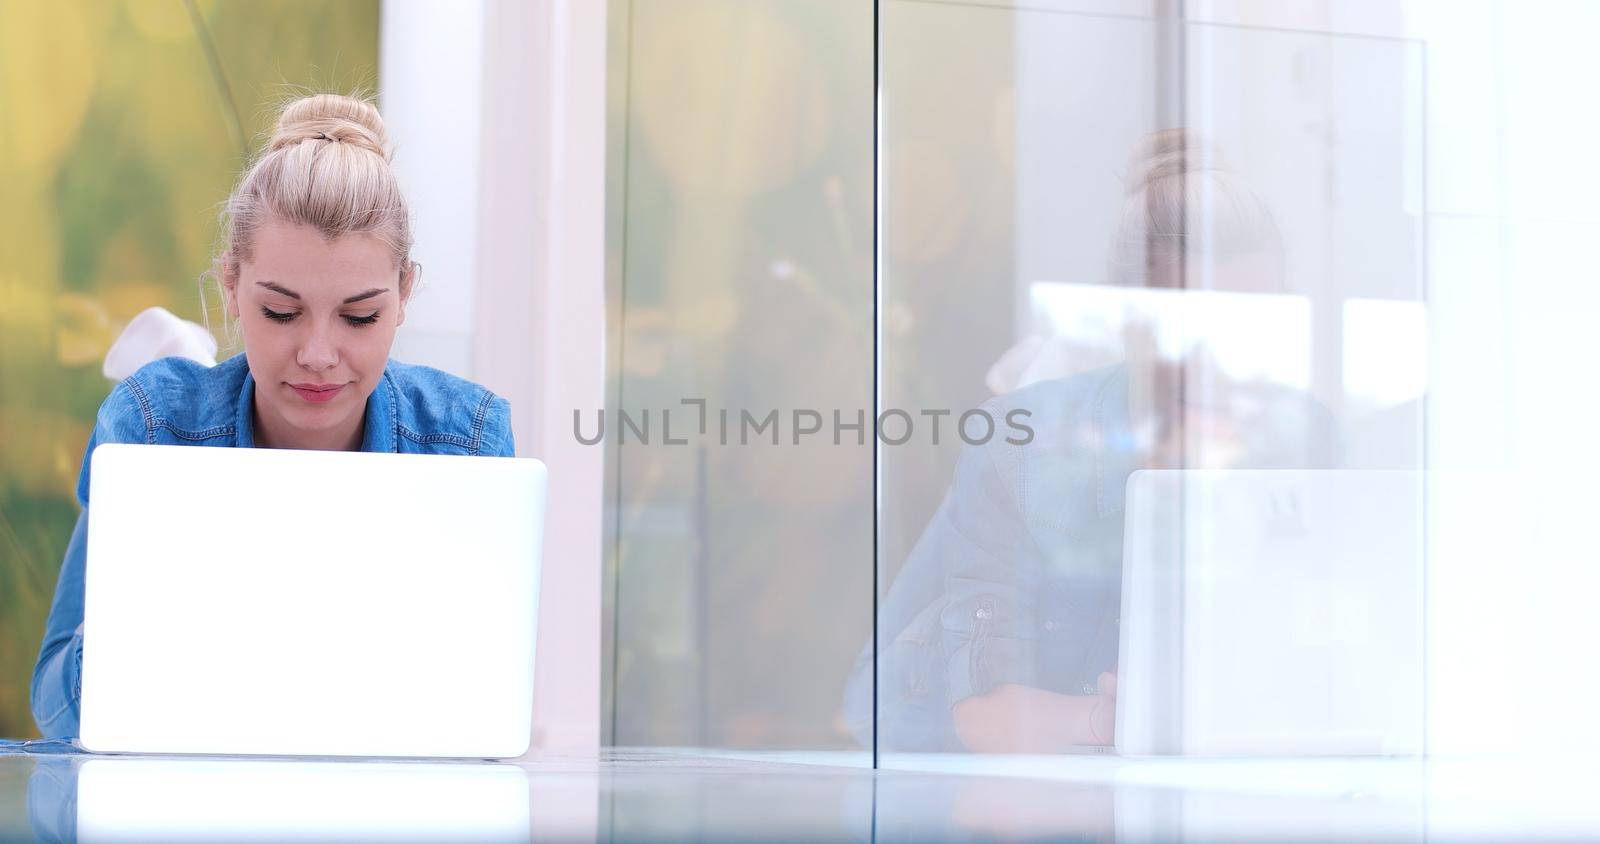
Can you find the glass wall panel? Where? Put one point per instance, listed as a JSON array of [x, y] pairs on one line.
[[740, 581], [1152, 296]]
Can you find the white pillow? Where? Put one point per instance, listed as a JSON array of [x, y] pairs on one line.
[[157, 333]]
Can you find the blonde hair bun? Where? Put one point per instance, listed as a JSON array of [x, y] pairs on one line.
[[1167, 154], [326, 166], [331, 118], [1183, 205]]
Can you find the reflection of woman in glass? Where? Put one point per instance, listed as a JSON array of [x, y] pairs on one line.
[[316, 268], [1001, 631]]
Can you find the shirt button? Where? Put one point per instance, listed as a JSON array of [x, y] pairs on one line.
[[1050, 625], [981, 614]]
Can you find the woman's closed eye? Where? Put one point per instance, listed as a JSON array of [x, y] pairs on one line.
[[289, 316]]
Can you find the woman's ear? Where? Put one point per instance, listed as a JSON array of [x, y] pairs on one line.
[[408, 282], [230, 284]]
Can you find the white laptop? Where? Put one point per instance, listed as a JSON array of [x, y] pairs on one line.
[[1272, 612], [275, 602]]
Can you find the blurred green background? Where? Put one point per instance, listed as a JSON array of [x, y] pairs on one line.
[[118, 142]]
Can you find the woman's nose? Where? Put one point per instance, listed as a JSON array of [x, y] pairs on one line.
[[318, 352]]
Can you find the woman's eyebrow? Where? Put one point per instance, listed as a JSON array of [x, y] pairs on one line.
[[376, 291], [278, 288]]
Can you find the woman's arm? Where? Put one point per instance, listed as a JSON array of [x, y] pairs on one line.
[[1020, 719], [963, 620], [56, 684], [56, 689]]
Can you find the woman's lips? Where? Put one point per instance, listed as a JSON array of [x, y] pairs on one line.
[[317, 392]]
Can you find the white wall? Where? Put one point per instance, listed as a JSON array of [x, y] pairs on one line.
[[1514, 570], [431, 94], [541, 313], [497, 110]]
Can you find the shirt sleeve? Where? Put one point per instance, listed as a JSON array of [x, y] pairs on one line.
[[56, 687], [987, 620], [957, 621], [497, 440]]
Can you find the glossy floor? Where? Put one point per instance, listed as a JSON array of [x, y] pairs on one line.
[[657, 795]]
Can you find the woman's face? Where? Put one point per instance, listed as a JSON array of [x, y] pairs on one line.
[[1193, 409], [318, 318]]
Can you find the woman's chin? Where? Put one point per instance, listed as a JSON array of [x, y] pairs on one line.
[[312, 418]]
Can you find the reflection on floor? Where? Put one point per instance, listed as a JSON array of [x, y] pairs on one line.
[[681, 795]]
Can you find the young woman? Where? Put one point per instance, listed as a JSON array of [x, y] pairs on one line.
[[315, 267]]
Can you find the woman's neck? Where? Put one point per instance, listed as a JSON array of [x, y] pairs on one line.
[[273, 432]]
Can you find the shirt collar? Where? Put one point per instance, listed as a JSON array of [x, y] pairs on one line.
[[383, 424], [382, 427], [244, 429]]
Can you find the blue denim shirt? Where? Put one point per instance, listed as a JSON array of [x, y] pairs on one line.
[[173, 401]]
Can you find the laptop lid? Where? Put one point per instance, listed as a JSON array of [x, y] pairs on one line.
[[1271, 612], [256, 601]]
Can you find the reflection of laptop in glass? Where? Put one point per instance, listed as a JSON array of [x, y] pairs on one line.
[[256, 601], [1271, 612]]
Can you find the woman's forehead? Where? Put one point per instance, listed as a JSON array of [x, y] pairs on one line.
[[300, 259]]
